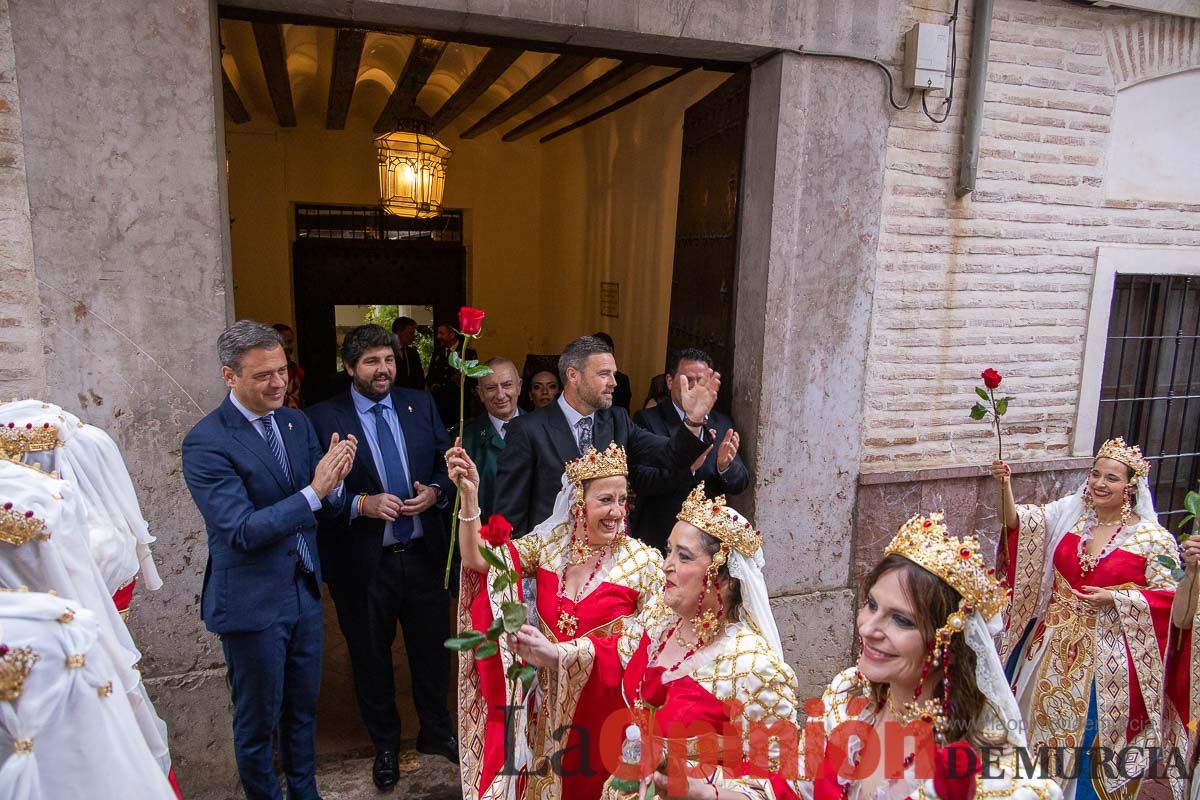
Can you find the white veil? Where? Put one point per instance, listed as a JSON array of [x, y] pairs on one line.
[[562, 510], [756, 605], [1001, 714]]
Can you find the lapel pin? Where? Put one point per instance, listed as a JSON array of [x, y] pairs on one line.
[[289, 426], [410, 409]]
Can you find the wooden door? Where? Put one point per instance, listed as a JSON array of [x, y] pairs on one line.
[[704, 282], [333, 272]]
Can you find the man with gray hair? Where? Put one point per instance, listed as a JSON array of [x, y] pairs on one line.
[[538, 444], [260, 478], [483, 437]]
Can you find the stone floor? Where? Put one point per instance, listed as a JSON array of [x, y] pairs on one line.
[[421, 778]]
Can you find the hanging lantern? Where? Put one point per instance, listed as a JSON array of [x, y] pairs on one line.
[[412, 170]]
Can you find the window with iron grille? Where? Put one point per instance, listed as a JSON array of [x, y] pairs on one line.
[[1150, 392], [373, 223]]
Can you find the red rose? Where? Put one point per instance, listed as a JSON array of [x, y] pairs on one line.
[[497, 531], [470, 320], [991, 378], [954, 770]]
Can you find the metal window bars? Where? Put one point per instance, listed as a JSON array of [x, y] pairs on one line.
[[1150, 390], [372, 223]]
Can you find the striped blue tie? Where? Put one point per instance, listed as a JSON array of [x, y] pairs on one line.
[[272, 437]]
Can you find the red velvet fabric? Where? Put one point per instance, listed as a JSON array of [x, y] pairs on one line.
[[124, 596], [493, 685]]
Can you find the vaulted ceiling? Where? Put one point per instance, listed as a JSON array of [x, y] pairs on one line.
[[282, 74]]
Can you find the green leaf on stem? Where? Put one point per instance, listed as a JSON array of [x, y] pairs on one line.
[[486, 650], [502, 581], [493, 560], [1192, 503], [495, 629], [455, 360], [514, 615], [464, 641], [978, 411], [1002, 406], [1167, 561], [526, 676], [477, 371], [979, 390]]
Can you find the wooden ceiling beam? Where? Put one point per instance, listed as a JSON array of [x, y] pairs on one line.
[[727, 63], [632, 97], [347, 53], [614, 77], [268, 38], [493, 65], [234, 107], [421, 60], [539, 85]]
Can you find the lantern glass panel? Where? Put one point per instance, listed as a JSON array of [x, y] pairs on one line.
[[412, 173]]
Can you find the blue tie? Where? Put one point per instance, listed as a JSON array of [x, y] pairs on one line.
[[272, 437], [397, 477]]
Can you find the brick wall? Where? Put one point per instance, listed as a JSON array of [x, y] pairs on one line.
[[1003, 277], [21, 369]]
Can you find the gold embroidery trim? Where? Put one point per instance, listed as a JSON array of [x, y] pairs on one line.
[[15, 665]]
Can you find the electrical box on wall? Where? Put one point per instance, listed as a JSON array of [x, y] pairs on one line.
[[925, 47]]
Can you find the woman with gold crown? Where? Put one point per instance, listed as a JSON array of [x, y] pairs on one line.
[[591, 577], [1087, 627], [707, 663], [929, 611]]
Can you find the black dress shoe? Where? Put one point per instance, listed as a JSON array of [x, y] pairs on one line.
[[386, 771], [447, 748]]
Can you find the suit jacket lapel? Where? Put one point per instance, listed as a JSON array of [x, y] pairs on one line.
[[295, 449], [669, 416], [602, 429], [560, 434], [409, 426], [363, 459], [243, 432]]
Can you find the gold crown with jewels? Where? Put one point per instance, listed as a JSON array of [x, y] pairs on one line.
[[926, 542], [1129, 455], [715, 519], [17, 527], [28, 438], [597, 464]]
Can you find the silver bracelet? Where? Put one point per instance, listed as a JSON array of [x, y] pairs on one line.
[[478, 514]]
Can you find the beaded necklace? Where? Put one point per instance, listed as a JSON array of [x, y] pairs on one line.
[[568, 624], [1087, 523]]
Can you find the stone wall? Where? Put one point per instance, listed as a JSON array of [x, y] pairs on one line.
[[22, 372], [123, 161], [1003, 277]]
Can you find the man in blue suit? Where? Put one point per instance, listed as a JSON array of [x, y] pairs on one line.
[[384, 555], [259, 477]]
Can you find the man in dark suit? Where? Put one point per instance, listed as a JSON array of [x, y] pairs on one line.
[[661, 491], [384, 556], [258, 475], [442, 380], [409, 374], [538, 444], [483, 437]]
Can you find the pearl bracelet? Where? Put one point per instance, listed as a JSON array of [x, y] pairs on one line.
[[478, 514]]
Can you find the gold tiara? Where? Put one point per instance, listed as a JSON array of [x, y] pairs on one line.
[[1130, 456], [17, 527], [596, 464], [925, 542], [16, 440], [719, 521]]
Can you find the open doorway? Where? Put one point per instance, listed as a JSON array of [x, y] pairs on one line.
[[581, 202]]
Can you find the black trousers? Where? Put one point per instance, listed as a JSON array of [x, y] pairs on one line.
[[406, 588]]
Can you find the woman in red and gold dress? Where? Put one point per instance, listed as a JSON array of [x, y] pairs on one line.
[[708, 659], [1087, 628], [591, 577]]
